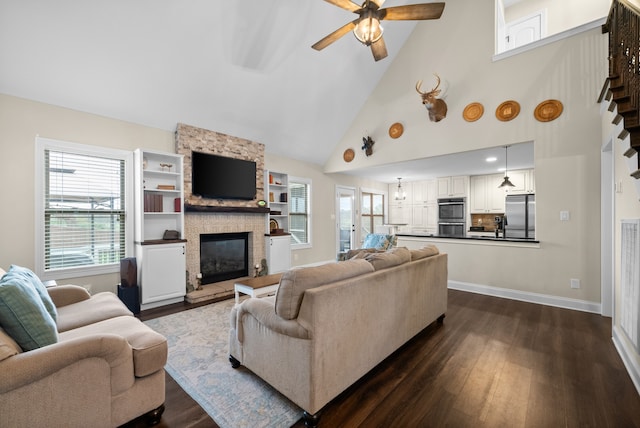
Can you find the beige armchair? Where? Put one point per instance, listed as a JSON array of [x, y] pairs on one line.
[[106, 367]]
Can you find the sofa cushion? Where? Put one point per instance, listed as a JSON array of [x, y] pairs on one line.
[[149, 347], [296, 281], [393, 257], [38, 286], [23, 315], [8, 346], [99, 307], [426, 251]]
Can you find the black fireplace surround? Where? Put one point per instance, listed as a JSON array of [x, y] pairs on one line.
[[224, 256]]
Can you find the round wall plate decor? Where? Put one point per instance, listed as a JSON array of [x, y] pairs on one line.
[[396, 130], [473, 112], [508, 110], [348, 155], [548, 110]]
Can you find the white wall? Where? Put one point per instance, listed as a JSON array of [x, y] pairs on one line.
[[561, 15], [459, 47]]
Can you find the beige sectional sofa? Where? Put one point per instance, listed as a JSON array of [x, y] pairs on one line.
[[104, 367], [329, 325]]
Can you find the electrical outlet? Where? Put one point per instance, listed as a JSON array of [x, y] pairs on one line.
[[575, 283]]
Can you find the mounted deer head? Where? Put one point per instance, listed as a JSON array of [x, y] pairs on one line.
[[437, 107], [367, 145]]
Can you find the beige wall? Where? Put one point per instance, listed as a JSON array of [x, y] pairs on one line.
[[22, 120], [459, 48]]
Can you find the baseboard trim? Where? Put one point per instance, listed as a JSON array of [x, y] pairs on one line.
[[525, 296], [626, 354]]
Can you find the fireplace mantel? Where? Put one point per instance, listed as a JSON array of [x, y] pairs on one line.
[[226, 209]]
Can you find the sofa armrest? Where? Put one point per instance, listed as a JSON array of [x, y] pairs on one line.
[[32, 366], [263, 310], [63, 295]]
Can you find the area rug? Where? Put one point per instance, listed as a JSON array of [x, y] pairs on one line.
[[198, 360]]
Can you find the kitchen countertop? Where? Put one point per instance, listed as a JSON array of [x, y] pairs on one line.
[[468, 237]]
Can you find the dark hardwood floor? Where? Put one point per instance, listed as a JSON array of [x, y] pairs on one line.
[[493, 363]]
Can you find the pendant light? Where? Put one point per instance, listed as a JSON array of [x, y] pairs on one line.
[[400, 193], [506, 182]]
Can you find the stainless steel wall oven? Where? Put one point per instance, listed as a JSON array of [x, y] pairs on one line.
[[451, 217]]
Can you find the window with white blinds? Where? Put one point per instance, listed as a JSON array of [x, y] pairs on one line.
[[300, 211], [83, 209]]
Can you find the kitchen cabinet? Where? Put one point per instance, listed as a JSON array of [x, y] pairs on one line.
[[456, 186], [278, 253], [158, 202], [523, 180], [425, 191], [425, 216], [400, 212], [485, 196], [162, 276]]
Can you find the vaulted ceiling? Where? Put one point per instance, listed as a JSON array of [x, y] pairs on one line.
[[241, 67]]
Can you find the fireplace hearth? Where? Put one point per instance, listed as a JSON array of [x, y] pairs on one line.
[[224, 256]]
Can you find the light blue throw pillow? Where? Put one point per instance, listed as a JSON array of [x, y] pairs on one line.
[[38, 286], [376, 240], [23, 315]]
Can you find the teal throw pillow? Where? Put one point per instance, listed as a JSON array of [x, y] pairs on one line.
[[23, 315], [376, 240], [37, 285]]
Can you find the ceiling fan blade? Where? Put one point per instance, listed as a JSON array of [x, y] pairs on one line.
[[323, 43], [345, 4], [379, 49], [412, 12]]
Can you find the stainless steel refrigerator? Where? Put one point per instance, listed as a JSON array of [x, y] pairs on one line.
[[520, 213]]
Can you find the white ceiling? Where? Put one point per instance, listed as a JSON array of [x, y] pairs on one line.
[[240, 67]]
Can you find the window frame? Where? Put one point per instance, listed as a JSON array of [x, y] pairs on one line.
[[43, 144], [372, 193], [307, 182]]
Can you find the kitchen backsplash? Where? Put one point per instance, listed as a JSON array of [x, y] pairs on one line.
[[485, 220]]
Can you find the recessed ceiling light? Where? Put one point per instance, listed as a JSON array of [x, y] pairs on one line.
[[492, 159]]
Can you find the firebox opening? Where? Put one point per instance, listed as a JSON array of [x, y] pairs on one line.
[[224, 256]]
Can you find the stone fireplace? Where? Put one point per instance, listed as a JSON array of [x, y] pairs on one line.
[[211, 216]]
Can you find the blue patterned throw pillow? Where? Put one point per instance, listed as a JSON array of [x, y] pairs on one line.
[[376, 240], [38, 286]]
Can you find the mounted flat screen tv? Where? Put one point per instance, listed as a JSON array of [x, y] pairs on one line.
[[220, 177]]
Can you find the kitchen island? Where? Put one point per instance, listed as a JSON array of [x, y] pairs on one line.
[[465, 239]]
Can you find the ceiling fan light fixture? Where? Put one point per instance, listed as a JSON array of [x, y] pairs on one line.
[[368, 29]]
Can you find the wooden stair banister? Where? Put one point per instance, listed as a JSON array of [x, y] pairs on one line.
[[623, 86]]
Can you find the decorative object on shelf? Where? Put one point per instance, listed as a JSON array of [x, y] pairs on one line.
[[400, 194], [473, 112], [548, 110], [436, 106], [271, 198], [396, 130], [177, 205], [508, 110], [262, 203], [270, 179], [367, 145], [348, 155], [168, 166], [171, 234], [273, 225], [283, 197], [166, 187], [506, 182], [145, 163], [264, 268]]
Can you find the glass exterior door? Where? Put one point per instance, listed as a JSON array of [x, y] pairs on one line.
[[346, 216]]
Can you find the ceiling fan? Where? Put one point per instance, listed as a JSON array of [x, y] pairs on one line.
[[367, 28]]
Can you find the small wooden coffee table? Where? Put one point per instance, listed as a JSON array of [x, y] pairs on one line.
[[258, 286]]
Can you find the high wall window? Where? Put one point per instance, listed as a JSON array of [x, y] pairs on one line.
[[83, 201], [300, 212], [372, 213]]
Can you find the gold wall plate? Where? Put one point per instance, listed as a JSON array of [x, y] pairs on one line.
[[473, 112], [548, 110], [396, 130], [348, 155], [508, 110]]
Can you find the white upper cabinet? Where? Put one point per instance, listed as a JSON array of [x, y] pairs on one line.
[[485, 195], [524, 181], [457, 186], [425, 191]]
